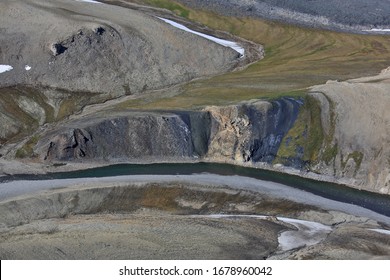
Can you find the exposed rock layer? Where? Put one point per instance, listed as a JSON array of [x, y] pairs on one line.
[[245, 132], [339, 131]]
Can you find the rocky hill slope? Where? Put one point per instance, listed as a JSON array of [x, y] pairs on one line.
[[65, 54], [100, 48], [153, 218]]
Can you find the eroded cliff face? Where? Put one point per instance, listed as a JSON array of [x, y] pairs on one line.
[[252, 131], [127, 137], [356, 123], [245, 132], [343, 132], [338, 131]]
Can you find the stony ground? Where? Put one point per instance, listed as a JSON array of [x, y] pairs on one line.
[[180, 221], [351, 15], [152, 235], [101, 48]]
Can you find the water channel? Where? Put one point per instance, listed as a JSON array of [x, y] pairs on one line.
[[375, 202]]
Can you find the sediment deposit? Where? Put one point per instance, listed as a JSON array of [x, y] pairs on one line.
[[142, 220]]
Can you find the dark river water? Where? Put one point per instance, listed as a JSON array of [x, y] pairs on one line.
[[376, 202]]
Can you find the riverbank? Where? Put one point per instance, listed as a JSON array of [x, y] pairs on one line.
[[201, 216], [16, 189], [16, 168]]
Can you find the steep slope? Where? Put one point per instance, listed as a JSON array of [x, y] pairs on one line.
[[346, 135], [251, 131], [356, 122], [323, 132]]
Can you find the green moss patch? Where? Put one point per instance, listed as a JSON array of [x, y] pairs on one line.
[[170, 5], [305, 138], [330, 154]]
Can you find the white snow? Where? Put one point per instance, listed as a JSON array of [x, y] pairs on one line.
[[5, 68], [308, 233], [381, 231], [89, 1], [27, 67], [229, 44], [377, 30]]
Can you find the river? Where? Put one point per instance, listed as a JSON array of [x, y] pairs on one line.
[[372, 201]]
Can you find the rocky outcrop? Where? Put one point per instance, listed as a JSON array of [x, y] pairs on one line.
[[338, 132], [252, 131], [342, 132], [357, 129], [133, 136], [245, 132]]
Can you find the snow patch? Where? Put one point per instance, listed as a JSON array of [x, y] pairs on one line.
[[225, 43], [5, 68], [27, 67], [381, 231], [308, 233], [89, 1], [377, 30]]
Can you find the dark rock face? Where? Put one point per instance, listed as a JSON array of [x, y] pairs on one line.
[[247, 132], [270, 128], [73, 144], [251, 131], [199, 124], [121, 138]]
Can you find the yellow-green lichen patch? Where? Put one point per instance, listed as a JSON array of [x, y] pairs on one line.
[[170, 5], [304, 139], [329, 154]]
